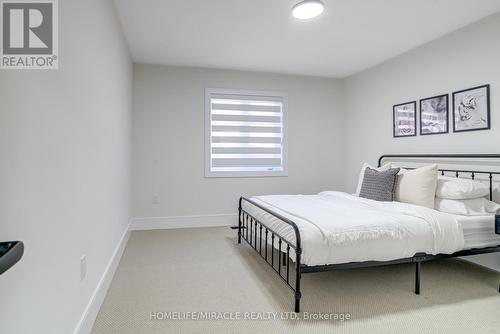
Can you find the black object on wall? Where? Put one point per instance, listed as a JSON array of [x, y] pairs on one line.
[[10, 253]]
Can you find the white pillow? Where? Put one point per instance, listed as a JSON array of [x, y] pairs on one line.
[[467, 207], [457, 188], [383, 168], [417, 186]]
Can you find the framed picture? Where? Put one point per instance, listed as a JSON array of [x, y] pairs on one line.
[[404, 119], [434, 115], [471, 109]]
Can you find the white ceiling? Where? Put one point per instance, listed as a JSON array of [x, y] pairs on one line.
[[261, 35]]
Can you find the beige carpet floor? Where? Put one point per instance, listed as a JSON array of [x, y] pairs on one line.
[[204, 269]]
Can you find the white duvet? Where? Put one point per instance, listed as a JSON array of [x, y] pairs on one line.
[[337, 227]]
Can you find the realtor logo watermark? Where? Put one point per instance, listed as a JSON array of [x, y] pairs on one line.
[[29, 36]]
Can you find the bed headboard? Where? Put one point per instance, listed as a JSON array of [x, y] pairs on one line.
[[492, 162]]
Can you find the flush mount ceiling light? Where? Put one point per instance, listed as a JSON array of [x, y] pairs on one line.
[[307, 9]]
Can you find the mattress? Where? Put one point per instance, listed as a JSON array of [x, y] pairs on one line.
[[479, 231], [337, 227]]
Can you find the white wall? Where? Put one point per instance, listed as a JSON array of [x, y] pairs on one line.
[[64, 143], [168, 140], [349, 122], [466, 58], [64, 171]]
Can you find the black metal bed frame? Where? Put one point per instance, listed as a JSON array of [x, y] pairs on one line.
[[262, 238]]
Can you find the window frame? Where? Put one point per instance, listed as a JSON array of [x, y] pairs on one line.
[[208, 133]]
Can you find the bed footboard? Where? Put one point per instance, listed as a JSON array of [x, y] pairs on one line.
[[264, 241]]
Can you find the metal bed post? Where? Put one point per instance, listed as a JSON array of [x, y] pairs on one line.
[[491, 186], [417, 277], [298, 274], [239, 221]]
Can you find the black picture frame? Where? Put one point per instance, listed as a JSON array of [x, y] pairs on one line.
[[394, 119], [446, 119], [488, 107]]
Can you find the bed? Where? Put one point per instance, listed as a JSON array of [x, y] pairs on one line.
[[298, 234]]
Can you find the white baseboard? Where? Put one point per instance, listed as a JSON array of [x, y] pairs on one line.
[[90, 313], [156, 223]]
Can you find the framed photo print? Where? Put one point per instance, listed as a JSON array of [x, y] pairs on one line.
[[434, 115], [404, 119], [471, 109]]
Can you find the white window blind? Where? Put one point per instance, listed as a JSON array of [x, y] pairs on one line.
[[245, 133]]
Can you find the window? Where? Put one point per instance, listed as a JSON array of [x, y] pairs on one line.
[[245, 133]]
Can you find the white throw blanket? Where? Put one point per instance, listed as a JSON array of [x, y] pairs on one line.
[[337, 227]]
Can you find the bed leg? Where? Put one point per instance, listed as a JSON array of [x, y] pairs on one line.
[[297, 304], [239, 222], [298, 276], [417, 277]]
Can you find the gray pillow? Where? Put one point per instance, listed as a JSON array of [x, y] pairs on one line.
[[379, 186]]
